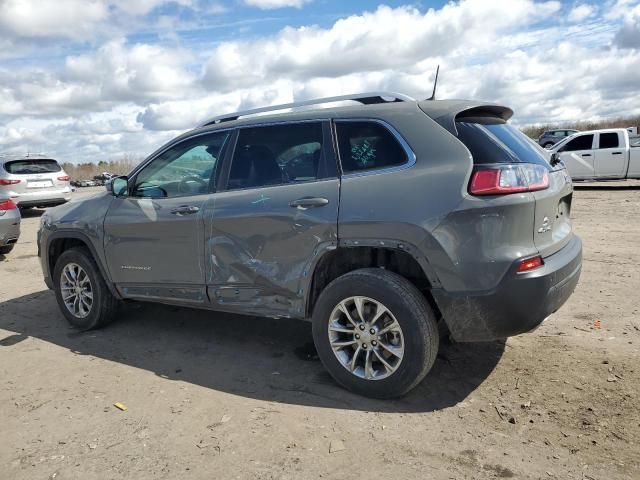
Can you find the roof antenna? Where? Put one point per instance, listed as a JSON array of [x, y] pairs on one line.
[[435, 84]]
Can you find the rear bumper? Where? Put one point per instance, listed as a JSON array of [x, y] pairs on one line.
[[519, 304], [44, 198], [9, 228]]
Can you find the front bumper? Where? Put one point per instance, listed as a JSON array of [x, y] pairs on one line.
[[519, 304]]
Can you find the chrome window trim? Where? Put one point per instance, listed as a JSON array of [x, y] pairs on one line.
[[411, 156], [275, 123]]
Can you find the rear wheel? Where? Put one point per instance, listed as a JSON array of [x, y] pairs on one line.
[[375, 333], [81, 292], [6, 250], [548, 145]]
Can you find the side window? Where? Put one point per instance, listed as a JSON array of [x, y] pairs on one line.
[[583, 142], [367, 145], [278, 154], [609, 140], [187, 168]]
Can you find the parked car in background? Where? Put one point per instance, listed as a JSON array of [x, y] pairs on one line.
[[551, 137], [84, 183], [383, 223], [9, 225], [600, 155], [102, 178], [33, 181]]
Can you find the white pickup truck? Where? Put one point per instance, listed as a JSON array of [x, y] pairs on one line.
[[599, 155]]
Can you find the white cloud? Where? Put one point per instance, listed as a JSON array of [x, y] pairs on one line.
[[62, 18], [581, 12], [629, 34], [273, 4], [385, 38]]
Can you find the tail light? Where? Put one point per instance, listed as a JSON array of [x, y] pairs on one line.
[[530, 264], [7, 205], [64, 178], [8, 182], [506, 179]]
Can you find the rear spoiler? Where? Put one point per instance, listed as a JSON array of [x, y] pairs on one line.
[[446, 112]]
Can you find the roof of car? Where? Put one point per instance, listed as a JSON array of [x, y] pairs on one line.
[[11, 157], [603, 130], [442, 111]]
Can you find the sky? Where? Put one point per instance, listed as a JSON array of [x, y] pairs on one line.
[[91, 80]]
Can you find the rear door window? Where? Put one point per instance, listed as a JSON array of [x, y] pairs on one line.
[[493, 141], [25, 167], [367, 145], [609, 140], [583, 142], [278, 154]]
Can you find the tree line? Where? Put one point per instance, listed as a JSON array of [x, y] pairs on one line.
[[534, 131]]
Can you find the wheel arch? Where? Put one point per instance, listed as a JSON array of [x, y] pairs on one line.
[[63, 240], [354, 255]]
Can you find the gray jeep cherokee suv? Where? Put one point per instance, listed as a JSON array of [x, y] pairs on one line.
[[387, 224]]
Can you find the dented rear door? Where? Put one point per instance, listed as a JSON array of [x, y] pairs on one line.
[[276, 215]]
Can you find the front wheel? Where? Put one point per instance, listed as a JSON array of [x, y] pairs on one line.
[[81, 292], [6, 250], [375, 333]]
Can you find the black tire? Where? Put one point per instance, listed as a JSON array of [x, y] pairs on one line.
[[6, 250], [104, 308], [411, 310], [548, 145]]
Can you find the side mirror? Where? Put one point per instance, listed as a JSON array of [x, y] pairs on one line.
[[118, 186], [555, 158]]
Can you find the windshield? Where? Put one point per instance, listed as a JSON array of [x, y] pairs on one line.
[[22, 167], [497, 142]]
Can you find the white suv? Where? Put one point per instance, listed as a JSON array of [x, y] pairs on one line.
[[33, 181]]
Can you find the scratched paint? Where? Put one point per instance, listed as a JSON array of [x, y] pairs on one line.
[[261, 200]]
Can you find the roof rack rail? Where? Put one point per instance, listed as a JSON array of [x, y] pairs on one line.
[[364, 98]]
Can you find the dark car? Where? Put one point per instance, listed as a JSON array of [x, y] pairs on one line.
[[551, 137], [386, 224]]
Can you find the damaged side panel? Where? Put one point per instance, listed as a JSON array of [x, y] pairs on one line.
[[258, 247]]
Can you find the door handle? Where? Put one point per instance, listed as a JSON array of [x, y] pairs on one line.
[[309, 202], [586, 154], [616, 153], [185, 210]]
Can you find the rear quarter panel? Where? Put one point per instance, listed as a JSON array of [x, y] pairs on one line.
[[403, 207], [634, 163]]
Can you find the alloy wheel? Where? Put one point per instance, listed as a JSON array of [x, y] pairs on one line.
[[366, 338], [76, 290]]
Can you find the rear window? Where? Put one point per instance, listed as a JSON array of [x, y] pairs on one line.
[[366, 145], [609, 140], [497, 142], [22, 167]]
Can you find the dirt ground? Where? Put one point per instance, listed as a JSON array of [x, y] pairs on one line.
[[212, 396]]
